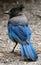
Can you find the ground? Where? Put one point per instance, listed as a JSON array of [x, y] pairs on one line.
[[16, 59], [6, 45]]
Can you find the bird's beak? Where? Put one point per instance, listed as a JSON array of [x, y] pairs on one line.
[[6, 12]]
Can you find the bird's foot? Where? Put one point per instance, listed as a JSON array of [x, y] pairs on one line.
[[13, 48]]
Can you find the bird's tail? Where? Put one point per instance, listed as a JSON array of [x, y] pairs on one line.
[[28, 51]]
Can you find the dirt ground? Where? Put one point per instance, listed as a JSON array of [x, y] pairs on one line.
[[6, 45]]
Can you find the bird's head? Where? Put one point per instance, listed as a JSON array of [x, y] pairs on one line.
[[14, 11]]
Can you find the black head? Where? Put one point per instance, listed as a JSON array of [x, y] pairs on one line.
[[14, 11]]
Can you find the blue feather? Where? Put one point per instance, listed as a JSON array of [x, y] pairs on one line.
[[20, 34]]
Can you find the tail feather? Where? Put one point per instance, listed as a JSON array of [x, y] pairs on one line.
[[22, 51], [28, 51], [25, 51], [33, 52]]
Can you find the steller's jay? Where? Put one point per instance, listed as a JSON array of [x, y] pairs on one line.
[[19, 31]]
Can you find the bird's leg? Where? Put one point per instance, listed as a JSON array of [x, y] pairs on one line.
[[14, 48]]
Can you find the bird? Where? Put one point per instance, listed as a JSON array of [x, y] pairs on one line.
[[19, 32]]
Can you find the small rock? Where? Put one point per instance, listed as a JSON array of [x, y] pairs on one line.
[[1, 54]]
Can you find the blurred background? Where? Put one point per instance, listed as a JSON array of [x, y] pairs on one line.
[[32, 11], [6, 4]]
